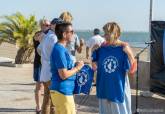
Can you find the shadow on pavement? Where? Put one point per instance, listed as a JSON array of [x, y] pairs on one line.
[[86, 100], [19, 90], [147, 105], [22, 83], [86, 103], [16, 110]]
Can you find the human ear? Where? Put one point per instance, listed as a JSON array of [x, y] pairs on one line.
[[64, 34]]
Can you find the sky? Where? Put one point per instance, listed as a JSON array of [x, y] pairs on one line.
[[131, 15]]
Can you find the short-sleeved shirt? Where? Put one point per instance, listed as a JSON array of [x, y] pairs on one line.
[[60, 59], [71, 46], [97, 39], [84, 80], [112, 64]]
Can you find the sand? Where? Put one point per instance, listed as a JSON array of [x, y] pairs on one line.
[[9, 51]]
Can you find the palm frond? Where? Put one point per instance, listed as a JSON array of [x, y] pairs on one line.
[[19, 29]]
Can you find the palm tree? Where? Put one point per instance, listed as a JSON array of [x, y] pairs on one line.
[[20, 31]]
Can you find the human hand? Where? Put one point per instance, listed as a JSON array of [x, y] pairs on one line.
[[95, 47], [81, 42], [79, 65], [94, 66], [87, 56]]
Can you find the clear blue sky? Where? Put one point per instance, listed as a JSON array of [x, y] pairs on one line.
[[132, 15]]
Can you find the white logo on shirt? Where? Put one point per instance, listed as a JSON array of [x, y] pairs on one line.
[[110, 64], [82, 78]]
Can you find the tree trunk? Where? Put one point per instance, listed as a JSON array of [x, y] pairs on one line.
[[23, 55]]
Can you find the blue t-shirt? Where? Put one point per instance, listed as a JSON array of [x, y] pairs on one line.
[[60, 58], [112, 65], [84, 80]]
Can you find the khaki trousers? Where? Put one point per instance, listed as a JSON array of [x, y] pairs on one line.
[[47, 106]]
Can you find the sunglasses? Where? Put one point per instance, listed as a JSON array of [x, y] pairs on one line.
[[70, 31]]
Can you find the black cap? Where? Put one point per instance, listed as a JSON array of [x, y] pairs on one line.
[[57, 21], [96, 31]]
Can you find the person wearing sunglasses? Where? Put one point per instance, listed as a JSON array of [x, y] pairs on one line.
[[63, 71], [44, 25]]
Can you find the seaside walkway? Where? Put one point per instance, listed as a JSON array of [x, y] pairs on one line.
[[17, 95]]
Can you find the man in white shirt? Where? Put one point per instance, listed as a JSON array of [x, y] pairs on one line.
[[45, 48], [95, 40]]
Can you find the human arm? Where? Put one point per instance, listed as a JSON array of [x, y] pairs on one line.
[[63, 64], [64, 73], [87, 52], [94, 59], [130, 54], [79, 47], [127, 49], [94, 66], [39, 49]]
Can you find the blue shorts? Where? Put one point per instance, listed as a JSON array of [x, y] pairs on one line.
[[36, 74]]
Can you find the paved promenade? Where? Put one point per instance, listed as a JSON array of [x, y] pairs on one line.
[[17, 95]]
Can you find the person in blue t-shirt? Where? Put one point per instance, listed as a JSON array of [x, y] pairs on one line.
[[112, 64], [63, 71]]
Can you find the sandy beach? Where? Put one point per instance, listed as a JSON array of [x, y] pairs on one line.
[[9, 51]]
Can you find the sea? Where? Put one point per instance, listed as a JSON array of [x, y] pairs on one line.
[[135, 39]]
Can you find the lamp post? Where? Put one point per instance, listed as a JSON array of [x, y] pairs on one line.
[[137, 56], [150, 20]]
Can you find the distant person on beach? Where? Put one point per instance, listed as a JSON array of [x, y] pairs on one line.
[[37, 70], [75, 44], [113, 65], [45, 48], [63, 71], [95, 40]]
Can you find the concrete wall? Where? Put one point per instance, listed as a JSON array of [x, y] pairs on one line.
[[144, 76]]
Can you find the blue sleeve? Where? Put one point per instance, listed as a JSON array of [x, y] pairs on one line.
[[126, 63], [95, 55], [60, 60]]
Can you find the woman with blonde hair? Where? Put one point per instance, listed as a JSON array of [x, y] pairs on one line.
[[75, 44], [66, 16], [113, 62]]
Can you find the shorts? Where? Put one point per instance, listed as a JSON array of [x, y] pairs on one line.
[[64, 104], [36, 74]]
